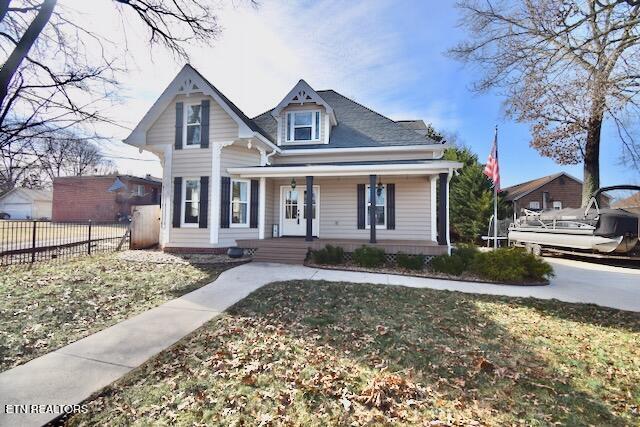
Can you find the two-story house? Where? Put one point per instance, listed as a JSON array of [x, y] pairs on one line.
[[318, 166]]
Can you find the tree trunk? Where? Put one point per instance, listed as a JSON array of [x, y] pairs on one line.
[[591, 176], [21, 50], [4, 7]]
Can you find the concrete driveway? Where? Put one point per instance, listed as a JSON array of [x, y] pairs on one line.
[[575, 281], [580, 281]]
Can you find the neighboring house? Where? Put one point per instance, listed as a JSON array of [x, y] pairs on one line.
[[556, 191], [26, 203], [102, 198], [231, 180], [631, 203]]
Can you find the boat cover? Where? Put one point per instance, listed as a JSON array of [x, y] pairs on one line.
[[611, 222]]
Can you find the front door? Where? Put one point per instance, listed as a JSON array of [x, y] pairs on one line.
[[293, 218]]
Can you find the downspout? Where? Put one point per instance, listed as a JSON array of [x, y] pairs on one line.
[[449, 176], [268, 156]]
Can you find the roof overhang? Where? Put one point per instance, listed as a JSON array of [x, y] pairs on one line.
[[424, 168]]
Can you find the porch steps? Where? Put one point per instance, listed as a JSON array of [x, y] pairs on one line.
[[287, 252]]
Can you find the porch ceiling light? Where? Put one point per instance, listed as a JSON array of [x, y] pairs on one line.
[[293, 183]]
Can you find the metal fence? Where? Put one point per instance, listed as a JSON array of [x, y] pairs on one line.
[[24, 242]]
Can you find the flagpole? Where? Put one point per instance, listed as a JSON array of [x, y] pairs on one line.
[[495, 201]]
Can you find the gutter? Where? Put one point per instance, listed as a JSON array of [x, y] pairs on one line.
[[388, 149]]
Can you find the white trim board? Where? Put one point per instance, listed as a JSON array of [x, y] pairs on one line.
[[347, 170]]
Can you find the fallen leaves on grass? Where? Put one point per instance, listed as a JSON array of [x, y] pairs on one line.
[[317, 353], [53, 304]]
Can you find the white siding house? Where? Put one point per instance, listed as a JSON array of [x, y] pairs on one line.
[[231, 180], [25, 203]]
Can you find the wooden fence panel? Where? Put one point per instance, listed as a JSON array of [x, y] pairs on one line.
[[145, 226]]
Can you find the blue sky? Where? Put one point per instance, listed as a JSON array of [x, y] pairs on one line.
[[388, 55]]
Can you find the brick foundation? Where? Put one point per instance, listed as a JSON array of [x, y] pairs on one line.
[[181, 250]]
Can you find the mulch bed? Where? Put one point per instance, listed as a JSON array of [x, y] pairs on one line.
[[159, 257], [349, 266]]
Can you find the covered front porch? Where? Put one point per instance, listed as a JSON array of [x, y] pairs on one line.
[[305, 207]]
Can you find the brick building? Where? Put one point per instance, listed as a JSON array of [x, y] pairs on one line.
[[556, 191], [101, 198]]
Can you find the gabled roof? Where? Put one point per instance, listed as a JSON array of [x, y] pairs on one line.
[[358, 126], [516, 192], [187, 81], [31, 194], [354, 125], [303, 93]]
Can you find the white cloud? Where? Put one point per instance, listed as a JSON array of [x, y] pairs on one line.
[[262, 53], [442, 115]]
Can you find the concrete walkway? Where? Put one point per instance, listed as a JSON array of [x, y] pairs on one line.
[[72, 373]]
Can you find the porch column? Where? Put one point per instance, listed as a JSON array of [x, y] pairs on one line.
[[372, 212], [262, 208], [443, 208], [309, 209], [167, 196]]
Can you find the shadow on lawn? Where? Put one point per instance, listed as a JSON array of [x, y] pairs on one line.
[[449, 341]]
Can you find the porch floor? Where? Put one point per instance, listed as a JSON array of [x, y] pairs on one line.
[[293, 250]]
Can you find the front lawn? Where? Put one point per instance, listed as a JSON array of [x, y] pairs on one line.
[[318, 353], [52, 304]]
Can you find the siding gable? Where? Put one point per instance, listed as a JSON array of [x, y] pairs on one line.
[[222, 126]]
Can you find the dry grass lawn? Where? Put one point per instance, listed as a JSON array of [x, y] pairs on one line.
[[52, 304], [318, 353]]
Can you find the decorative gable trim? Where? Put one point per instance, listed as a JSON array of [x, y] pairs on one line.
[[188, 81], [301, 94]]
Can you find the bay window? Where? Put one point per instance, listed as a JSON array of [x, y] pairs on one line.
[[381, 206], [239, 203], [303, 126]]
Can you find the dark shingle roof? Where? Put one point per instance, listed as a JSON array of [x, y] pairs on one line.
[[358, 126], [250, 123]]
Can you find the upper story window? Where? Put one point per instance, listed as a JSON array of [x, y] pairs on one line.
[[557, 205], [534, 205], [192, 125], [303, 126], [139, 191]]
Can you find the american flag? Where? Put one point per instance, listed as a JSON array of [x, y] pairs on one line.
[[492, 170]]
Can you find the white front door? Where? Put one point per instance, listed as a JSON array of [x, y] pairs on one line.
[[293, 220]]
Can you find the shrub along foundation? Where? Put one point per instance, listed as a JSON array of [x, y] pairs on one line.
[[509, 266]]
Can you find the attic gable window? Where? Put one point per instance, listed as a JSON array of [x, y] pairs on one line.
[[192, 125], [303, 126]]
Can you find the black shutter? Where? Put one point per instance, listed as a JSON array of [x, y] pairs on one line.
[[391, 206], [225, 198], [361, 206], [204, 201], [179, 123], [204, 134], [177, 201], [253, 210]]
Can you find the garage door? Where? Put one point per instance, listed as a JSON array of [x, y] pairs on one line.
[[17, 210]]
